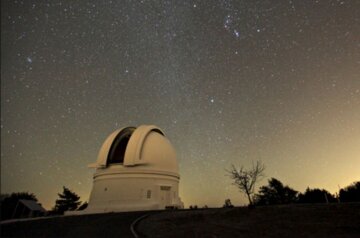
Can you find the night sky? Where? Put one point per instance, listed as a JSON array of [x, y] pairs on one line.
[[229, 82]]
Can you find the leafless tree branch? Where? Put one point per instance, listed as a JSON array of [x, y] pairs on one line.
[[245, 179]]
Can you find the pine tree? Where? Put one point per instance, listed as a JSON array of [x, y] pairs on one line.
[[68, 201], [83, 206], [316, 195], [275, 193], [351, 193]]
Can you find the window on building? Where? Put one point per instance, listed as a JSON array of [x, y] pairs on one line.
[[148, 194], [166, 188]]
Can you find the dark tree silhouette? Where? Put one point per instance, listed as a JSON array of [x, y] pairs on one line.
[[83, 206], [245, 179], [275, 193], [316, 196], [350, 193], [68, 201], [8, 204], [228, 203]]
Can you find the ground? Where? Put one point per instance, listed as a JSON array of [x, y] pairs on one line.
[[323, 220], [97, 225]]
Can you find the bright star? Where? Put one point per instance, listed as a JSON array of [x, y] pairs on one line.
[[237, 34]]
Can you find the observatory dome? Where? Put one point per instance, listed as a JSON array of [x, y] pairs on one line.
[[145, 145], [136, 170]]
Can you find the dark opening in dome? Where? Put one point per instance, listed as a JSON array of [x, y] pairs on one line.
[[117, 150]]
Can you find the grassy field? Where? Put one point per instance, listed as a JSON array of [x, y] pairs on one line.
[[332, 220], [323, 220]]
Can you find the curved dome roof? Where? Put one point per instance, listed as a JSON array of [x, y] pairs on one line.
[[145, 147]]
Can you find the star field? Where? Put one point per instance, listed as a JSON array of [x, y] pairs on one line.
[[229, 82]]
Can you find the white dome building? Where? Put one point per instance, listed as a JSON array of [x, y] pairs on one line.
[[136, 170]]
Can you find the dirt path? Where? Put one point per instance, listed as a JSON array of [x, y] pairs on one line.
[[97, 225]]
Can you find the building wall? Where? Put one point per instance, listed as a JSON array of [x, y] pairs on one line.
[[132, 192]]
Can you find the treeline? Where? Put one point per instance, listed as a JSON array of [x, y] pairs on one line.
[[67, 201], [278, 193]]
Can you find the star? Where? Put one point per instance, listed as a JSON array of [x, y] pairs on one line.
[[74, 72], [237, 34]]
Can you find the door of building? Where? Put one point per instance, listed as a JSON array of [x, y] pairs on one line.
[[165, 195]]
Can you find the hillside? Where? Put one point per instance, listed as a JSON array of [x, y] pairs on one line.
[[333, 220], [97, 225]]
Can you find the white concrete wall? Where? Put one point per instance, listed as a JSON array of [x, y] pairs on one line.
[[119, 192]]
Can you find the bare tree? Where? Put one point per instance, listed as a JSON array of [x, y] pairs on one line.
[[245, 179]]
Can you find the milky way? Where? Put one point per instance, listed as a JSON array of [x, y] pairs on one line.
[[229, 82]]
